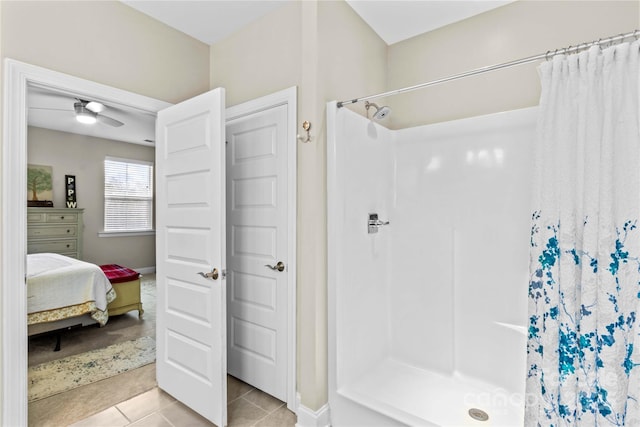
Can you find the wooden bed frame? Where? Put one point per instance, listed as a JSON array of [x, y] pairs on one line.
[[70, 322], [59, 326]]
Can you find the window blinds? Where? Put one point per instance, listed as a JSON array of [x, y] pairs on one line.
[[128, 195]]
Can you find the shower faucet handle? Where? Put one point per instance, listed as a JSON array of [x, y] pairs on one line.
[[374, 223]]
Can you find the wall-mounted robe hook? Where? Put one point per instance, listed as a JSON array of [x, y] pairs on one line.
[[306, 125]]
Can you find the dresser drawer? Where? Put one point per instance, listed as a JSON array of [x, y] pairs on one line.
[[53, 231], [55, 246], [36, 217], [70, 254], [40, 217], [61, 217]]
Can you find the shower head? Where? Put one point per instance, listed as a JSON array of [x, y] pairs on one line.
[[380, 113]]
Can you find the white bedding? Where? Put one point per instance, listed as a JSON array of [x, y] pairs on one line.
[[56, 281]]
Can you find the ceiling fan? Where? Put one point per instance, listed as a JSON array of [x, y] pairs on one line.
[[89, 112]]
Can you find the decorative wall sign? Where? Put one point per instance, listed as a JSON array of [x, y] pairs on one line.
[[70, 188], [39, 186]]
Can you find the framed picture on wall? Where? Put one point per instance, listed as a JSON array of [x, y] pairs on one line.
[[39, 186]]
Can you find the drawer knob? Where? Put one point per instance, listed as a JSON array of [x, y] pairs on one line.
[[68, 245], [68, 231], [61, 217]]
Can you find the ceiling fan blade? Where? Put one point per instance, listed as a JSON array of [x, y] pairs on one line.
[[109, 121]]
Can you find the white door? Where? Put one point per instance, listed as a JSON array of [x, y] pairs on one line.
[[190, 254], [257, 209]]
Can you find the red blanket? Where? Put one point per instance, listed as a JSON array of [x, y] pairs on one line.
[[118, 274]]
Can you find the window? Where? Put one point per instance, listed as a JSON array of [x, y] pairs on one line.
[[128, 195]]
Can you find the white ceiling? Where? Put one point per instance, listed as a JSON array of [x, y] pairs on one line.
[[397, 20], [51, 109], [206, 20], [393, 20], [212, 20]]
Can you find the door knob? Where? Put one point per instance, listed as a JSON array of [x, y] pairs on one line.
[[279, 266], [213, 274]]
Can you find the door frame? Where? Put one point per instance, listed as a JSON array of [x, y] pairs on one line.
[[17, 77], [286, 97]]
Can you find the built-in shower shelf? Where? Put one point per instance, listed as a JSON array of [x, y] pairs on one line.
[[420, 397], [522, 330]]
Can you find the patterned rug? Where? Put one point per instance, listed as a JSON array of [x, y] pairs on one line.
[[49, 378]]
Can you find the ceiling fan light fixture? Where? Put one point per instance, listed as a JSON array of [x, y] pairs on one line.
[[86, 119], [83, 115], [95, 106]]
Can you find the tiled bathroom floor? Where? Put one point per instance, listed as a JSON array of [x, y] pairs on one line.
[[246, 406]]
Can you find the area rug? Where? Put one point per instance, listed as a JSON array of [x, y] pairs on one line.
[[57, 376]]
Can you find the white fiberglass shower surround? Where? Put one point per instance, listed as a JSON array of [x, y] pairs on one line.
[[427, 315]]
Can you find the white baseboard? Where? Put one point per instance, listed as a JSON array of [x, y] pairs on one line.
[[146, 270], [310, 418]]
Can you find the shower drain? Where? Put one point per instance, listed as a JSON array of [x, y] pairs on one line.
[[478, 414]]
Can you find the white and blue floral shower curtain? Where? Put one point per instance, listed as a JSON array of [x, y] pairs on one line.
[[584, 291]]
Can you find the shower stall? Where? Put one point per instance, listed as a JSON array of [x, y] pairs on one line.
[[429, 231]]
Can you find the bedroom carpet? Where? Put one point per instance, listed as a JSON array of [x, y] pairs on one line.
[[57, 376]]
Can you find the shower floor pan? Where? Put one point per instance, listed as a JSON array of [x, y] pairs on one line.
[[419, 397]]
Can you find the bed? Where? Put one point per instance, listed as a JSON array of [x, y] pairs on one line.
[[63, 292]]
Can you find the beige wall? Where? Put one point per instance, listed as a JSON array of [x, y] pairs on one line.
[[352, 58], [83, 156], [261, 59], [517, 30], [107, 42], [2, 214]]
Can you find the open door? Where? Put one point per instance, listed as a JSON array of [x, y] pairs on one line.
[[190, 254]]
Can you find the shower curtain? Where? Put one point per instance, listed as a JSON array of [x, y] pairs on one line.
[[583, 349]]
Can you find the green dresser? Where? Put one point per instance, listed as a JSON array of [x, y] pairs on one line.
[[55, 230]]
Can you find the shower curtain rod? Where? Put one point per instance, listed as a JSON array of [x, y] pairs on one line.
[[550, 53]]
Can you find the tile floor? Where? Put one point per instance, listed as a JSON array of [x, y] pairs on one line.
[[247, 406]]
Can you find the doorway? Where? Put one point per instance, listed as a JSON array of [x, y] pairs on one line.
[[14, 345]]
